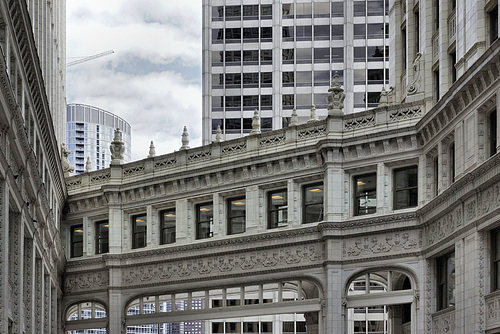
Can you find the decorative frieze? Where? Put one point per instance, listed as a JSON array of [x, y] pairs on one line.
[[238, 147], [133, 171], [312, 132], [385, 244], [271, 141], [199, 156], [235, 263], [359, 122], [100, 177], [83, 282], [492, 302], [444, 226], [165, 163]]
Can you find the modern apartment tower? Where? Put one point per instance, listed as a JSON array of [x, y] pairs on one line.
[[90, 131], [275, 56]]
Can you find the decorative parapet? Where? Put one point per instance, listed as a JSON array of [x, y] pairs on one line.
[[272, 139], [444, 322], [310, 133], [493, 310]]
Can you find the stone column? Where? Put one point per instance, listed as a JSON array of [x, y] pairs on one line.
[[4, 254], [116, 228], [311, 322], [16, 233], [28, 285], [252, 216], [333, 187], [116, 321]]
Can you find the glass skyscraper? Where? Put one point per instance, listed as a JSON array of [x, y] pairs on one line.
[[89, 132], [275, 56]]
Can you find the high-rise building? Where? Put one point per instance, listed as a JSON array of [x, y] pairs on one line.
[[89, 132], [275, 56]]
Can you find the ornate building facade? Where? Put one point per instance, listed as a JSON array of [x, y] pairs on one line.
[[380, 221], [320, 226], [32, 186]]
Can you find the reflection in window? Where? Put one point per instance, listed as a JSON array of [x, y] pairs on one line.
[[251, 57], [278, 209], [303, 33], [217, 13], [365, 194], [266, 56], [266, 79], [167, 226], [288, 79], [287, 55], [139, 231], [445, 268], [233, 125], [288, 101], [204, 220], [287, 10], [76, 241], [236, 215], [313, 203], [405, 187], [287, 33]]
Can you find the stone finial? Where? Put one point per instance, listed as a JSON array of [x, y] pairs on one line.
[[295, 119], [68, 168], [218, 135], [313, 117], [255, 123], [88, 165], [152, 151], [384, 98], [185, 139], [336, 96], [117, 148]]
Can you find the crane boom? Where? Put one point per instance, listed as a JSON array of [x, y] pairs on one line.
[[99, 55]]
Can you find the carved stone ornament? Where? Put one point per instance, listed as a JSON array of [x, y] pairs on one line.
[[117, 148], [152, 151], [415, 84], [314, 116], [335, 96], [88, 165], [218, 135], [295, 120], [185, 139], [68, 169], [255, 123]]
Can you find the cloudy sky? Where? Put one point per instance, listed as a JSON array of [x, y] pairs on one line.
[[153, 79]]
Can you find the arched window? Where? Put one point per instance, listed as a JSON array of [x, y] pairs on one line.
[[264, 307], [86, 318]]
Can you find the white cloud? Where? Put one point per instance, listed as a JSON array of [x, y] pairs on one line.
[[162, 40]]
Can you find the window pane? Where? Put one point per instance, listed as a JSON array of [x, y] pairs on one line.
[[337, 31], [313, 203], [168, 226], [102, 237], [366, 194], [278, 209], [205, 214], [77, 241], [139, 231], [236, 216]]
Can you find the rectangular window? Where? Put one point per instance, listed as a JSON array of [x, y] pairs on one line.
[[495, 259], [278, 209], [365, 194], [405, 187], [492, 133], [266, 57], [77, 241], [287, 55], [251, 57], [204, 220], [139, 230], [445, 268], [102, 237], [167, 226], [436, 85], [312, 203], [493, 18], [266, 79], [232, 57], [233, 125], [236, 215], [266, 34], [250, 80]]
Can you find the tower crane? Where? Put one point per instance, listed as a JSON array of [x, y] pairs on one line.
[[99, 55]]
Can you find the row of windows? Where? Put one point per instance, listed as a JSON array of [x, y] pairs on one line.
[[405, 196], [249, 57], [235, 80], [248, 12], [300, 56], [235, 125], [300, 10], [299, 33], [235, 219], [299, 101], [235, 35], [249, 102]]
